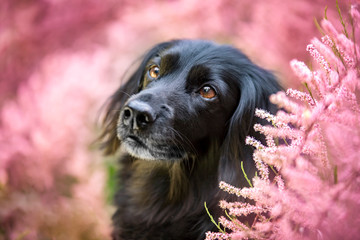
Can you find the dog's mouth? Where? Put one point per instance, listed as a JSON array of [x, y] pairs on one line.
[[136, 141], [148, 149]]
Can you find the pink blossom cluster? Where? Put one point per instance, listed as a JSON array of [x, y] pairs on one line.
[[312, 148], [50, 180]]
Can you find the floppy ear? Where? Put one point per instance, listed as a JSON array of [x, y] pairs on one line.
[[255, 87], [109, 141]]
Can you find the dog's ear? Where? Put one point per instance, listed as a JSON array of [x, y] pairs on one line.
[[108, 137], [255, 85]]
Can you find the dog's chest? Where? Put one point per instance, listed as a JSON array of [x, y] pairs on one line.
[[145, 203]]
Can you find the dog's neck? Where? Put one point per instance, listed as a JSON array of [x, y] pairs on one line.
[[176, 178], [174, 184]]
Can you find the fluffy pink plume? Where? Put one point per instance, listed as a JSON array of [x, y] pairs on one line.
[[315, 193]]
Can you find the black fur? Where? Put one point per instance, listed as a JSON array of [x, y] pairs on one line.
[[176, 144]]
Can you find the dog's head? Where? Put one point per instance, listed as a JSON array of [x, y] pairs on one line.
[[186, 96]]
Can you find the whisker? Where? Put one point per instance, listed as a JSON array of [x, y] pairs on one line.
[[115, 110], [184, 139], [189, 143], [127, 94]]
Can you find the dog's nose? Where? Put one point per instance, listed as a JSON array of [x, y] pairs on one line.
[[138, 114]]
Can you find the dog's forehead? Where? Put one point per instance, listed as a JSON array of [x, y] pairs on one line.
[[191, 51]]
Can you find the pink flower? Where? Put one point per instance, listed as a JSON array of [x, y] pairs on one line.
[[301, 70], [216, 235], [320, 59], [305, 97], [314, 193]]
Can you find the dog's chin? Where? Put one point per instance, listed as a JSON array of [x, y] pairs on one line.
[[152, 152]]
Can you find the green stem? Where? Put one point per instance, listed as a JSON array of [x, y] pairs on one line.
[[335, 174], [247, 179], [212, 219], [341, 19]]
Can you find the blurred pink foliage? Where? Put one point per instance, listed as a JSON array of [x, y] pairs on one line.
[[49, 178], [316, 191], [59, 62]]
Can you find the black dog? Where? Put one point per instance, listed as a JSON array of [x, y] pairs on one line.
[[181, 121]]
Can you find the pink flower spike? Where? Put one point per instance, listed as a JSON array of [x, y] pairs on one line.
[[270, 141], [264, 115], [318, 57], [216, 236], [283, 101], [349, 61], [253, 142], [251, 193], [277, 132], [261, 167], [348, 80], [327, 41], [328, 54], [248, 209], [233, 225], [355, 14], [348, 50], [274, 120], [227, 205], [329, 28], [230, 189], [280, 182], [305, 97], [287, 118], [301, 70]]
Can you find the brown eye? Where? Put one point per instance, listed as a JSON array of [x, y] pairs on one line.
[[207, 92], [154, 72]]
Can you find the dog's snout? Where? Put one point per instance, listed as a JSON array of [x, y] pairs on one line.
[[138, 114]]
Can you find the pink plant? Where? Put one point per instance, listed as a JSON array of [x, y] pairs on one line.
[[51, 184], [315, 193]]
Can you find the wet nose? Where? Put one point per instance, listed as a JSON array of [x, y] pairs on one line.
[[138, 114]]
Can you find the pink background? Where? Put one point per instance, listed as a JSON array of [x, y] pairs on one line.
[[59, 62]]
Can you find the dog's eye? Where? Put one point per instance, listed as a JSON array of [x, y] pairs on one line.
[[207, 92], [154, 72]]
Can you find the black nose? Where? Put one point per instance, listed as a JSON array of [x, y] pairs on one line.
[[138, 114]]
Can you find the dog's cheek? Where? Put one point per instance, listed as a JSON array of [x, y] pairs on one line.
[[215, 116], [191, 121]]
